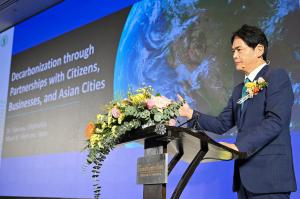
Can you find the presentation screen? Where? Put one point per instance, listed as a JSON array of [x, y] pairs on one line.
[[60, 67]]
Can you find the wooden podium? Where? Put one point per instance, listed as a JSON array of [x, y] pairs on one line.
[[187, 144]]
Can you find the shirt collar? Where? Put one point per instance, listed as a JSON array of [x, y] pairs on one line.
[[253, 74]]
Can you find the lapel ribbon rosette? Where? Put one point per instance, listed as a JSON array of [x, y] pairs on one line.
[[253, 88]]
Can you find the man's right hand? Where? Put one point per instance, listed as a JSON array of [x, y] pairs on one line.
[[185, 110]]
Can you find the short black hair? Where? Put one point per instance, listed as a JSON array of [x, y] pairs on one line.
[[252, 36]]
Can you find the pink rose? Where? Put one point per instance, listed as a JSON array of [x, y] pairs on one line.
[[172, 122], [150, 104], [115, 112], [161, 102]]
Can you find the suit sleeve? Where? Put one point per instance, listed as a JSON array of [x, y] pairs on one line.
[[279, 101], [219, 125]]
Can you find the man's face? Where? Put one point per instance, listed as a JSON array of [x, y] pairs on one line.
[[244, 57]]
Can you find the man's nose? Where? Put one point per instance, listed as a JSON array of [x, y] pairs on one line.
[[235, 54]]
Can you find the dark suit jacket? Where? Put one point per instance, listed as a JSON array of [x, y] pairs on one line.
[[263, 132]]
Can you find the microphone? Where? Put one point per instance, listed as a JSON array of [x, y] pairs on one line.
[[195, 119], [188, 121]]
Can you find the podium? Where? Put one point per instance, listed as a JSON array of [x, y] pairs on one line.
[[192, 146]]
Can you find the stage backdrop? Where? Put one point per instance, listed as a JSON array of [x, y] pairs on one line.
[[59, 68]]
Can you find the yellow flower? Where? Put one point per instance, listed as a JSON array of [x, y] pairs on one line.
[[100, 145], [100, 118], [121, 118], [95, 138], [98, 130], [250, 84], [138, 98], [109, 120], [104, 125], [124, 103], [114, 131]]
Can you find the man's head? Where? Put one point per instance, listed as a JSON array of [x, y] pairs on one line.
[[249, 47]]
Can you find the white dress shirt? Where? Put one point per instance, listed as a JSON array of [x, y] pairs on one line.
[[253, 74]]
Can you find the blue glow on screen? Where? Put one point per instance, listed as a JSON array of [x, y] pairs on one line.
[[62, 18], [64, 175]]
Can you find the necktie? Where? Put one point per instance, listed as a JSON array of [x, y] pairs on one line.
[[244, 90]]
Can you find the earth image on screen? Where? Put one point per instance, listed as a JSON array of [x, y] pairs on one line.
[[183, 47]]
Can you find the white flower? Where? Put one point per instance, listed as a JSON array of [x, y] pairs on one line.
[[260, 80], [250, 92], [161, 102]]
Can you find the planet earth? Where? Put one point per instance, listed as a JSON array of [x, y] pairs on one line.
[[183, 47]]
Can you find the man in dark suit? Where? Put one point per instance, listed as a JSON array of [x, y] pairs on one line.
[[262, 121]]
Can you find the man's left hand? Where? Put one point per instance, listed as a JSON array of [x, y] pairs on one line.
[[232, 146]]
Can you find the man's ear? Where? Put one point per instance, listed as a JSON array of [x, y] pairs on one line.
[[259, 50]]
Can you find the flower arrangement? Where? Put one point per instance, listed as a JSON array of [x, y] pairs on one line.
[[140, 109], [253, 88]]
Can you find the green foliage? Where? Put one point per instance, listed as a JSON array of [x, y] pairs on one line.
[[140, 108]]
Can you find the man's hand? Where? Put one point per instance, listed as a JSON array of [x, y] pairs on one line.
[[172, 122], [185, 110], [232, 146]]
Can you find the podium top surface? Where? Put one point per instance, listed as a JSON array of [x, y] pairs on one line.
[[184, 140]]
